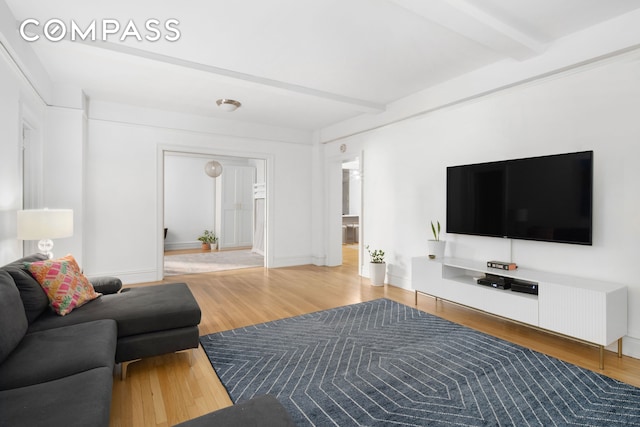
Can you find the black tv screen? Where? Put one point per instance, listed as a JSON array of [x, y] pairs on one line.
[[545, 198]]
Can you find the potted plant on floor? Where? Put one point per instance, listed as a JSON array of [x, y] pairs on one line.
[[436, 246], [377, 266], [214, 241], [209, 240]]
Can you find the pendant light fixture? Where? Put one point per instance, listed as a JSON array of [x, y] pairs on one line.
[[213, 169]]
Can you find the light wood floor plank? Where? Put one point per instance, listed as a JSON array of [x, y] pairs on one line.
[[165, 390]]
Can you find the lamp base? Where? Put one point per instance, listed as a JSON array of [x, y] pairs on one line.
[[45, 246]]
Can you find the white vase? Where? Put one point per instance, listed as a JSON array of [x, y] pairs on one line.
[[377, 272], [436, 248]]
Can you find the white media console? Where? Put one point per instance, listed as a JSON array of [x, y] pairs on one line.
[[585, 309]]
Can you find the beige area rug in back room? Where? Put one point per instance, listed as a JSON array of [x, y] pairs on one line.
[[211, 261]]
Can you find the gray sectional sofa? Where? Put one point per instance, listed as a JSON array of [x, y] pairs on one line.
[[58, 370], [261, 411]]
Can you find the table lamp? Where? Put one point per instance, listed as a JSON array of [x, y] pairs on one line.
[[44, 225]]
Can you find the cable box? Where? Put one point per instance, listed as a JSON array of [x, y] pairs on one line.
[[524, 287], [494, 281]]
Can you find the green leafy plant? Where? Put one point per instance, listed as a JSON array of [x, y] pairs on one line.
[[436, 230], [376, 256], [208, 236]]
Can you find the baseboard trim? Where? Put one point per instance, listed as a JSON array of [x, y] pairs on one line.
[[177, 246], [320, 261], [399, 281], [290, 261]]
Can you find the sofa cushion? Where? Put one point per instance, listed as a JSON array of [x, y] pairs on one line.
[[29, 258], [64, 283], [137, 310], [261, 411], [33, 297], [13, 320], [106, 284], [78, 400], [56, 353]]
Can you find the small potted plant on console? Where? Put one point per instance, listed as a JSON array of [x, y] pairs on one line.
[[377, 266], [436, 246]]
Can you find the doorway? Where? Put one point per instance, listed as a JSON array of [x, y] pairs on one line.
[[228, 206], [351, 211], [335, 182]]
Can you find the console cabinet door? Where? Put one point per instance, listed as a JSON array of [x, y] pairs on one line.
[[594, 315], [426, 276]]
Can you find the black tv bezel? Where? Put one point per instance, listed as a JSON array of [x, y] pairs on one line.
[[585, 243]]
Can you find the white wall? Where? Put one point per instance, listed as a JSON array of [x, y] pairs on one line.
[[10, 41], [18, 102], [355, 194], [594, 108], [261, 172], [10, 169], [64, 171], [189, 201], [122, 191]]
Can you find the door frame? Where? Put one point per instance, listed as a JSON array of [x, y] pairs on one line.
[[213, 152], [333, 220], [31, 168]]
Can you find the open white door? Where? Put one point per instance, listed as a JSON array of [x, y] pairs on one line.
[[235, 207]]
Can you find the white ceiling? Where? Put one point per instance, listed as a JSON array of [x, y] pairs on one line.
[[302, 64]]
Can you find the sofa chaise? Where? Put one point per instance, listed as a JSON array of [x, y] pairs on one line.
[[58, 370]]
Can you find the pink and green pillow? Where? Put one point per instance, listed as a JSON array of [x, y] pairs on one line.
[[63, 282]]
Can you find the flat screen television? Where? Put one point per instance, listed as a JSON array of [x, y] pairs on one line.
[[545, 198]]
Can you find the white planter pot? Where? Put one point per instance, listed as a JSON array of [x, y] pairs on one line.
[[436, 248], [377, 271]]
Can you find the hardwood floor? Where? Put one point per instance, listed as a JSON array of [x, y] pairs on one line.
[[165, 390]]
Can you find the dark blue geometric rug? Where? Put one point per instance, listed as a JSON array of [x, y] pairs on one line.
[[382, 363]]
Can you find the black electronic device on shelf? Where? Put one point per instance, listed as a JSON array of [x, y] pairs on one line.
[[495, 281], [524, 287], [516, 285]]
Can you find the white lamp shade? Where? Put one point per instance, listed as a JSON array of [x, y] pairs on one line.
[[213, 169], [36, 224]]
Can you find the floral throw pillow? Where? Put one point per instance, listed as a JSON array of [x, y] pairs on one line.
[[63, 282]]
